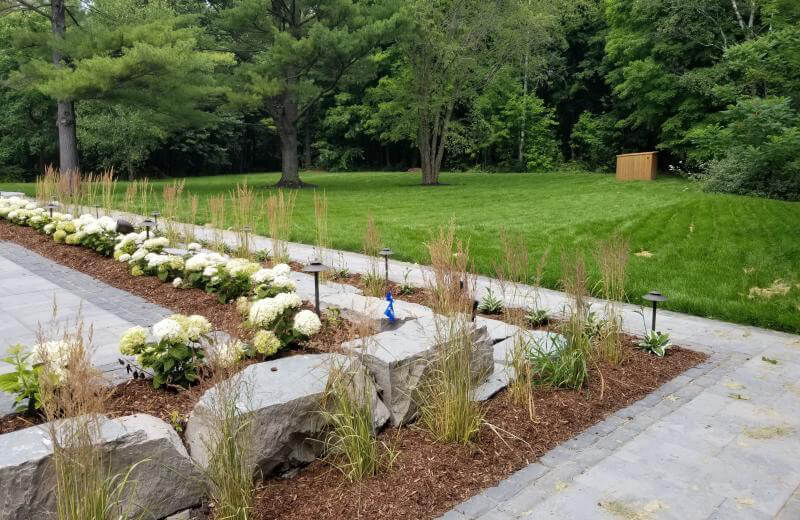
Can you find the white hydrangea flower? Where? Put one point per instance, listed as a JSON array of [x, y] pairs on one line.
[[124, 257], [131, 340], [306, 323], [170, 330], [288, 301], [210, 271], [107, 223], [139, 254], [92, 229], [196, 326], [177, 282], [155, 243], [262, 276], [282, 270], [284, 282], [49, 228], [263, 312], [266, 342]]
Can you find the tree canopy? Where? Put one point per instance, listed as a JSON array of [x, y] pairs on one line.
[[182, 87]]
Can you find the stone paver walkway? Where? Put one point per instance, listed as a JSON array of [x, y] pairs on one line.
[[29, 286]]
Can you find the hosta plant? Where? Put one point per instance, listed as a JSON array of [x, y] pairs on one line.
[[490, 304], [175, 355], [655, 342], [537, 317]]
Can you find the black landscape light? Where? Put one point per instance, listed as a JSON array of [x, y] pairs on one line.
[[155, 216], [53, 204], [316, 267], [386, 253], [97, 210], [124, 227], [147, 223], [655, 297]]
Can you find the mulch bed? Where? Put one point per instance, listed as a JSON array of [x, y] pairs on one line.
[[430, 478]]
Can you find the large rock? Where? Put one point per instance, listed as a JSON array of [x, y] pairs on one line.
[[283, 399], [163, 479], [497, 330], [357, 307], [400, 360]]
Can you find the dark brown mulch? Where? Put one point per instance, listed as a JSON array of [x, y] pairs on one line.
[[430, 478], [185, 301]]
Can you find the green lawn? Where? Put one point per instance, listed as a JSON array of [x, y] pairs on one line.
[[708, 250]]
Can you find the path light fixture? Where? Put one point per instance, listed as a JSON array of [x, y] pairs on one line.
[[316, 267], [155, 216], [386, 253], [53, 204], [147, 223], [655, 297]]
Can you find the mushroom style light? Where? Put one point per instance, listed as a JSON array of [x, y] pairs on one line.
[[51, 206], [147, 223], [155, 216], [97, 210], [386, 253], [316, 267], [655, 297]]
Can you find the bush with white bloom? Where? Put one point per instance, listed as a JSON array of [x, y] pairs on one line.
[[280, 317], [266, 343], [307, 323], [176, 354], [156, 244]]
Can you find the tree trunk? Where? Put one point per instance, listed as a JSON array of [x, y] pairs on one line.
[[285, 115], [69, 162], [307, 164]]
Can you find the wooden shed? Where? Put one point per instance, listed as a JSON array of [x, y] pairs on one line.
[[640, 166]]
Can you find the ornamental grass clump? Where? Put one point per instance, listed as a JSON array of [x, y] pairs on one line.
[[175, 355], [280, 207], [72, 388], [374, 283], [243, 202], [445, 399], [347, 407], [612, 260], [452, 286], [229, 473]]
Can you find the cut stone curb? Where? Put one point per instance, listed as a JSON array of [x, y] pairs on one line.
[[162, 476], [283, 399], [399, 361]]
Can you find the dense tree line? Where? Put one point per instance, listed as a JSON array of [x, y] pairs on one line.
[[182, 87]]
